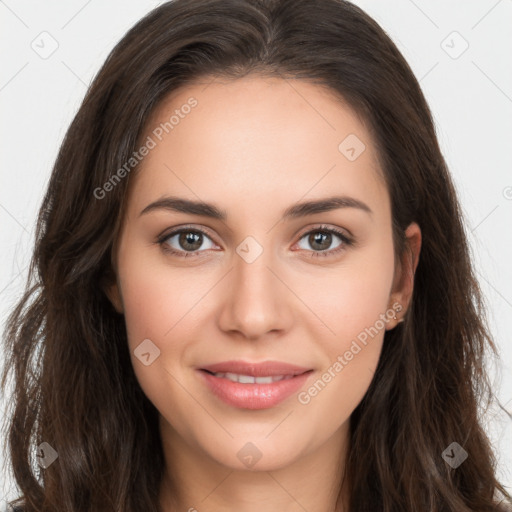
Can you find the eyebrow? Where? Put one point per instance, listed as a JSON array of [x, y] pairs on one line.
[[177, 204]]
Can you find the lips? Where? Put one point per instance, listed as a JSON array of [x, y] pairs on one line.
[[264, 369], [254, 385]]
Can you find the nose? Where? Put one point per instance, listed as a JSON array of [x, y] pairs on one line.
[[256, 301]]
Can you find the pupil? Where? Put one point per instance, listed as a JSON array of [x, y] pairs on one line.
[[319, 237], [189, 238]]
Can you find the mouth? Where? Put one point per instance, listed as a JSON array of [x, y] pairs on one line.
[[253, 386], [263, 369], [250, 379]]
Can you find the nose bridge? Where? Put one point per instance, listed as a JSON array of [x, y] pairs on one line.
[[255, 303], [254, 279], [254, 285]]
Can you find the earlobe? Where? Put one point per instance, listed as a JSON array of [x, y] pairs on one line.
[[404, 281]]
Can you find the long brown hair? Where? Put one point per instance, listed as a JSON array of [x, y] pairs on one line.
[[66, 347]]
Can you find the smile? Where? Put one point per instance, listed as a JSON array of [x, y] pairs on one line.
[[250, 379], [251, 392]]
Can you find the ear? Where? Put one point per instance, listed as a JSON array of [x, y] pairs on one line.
[[112, 290], [403, 281]]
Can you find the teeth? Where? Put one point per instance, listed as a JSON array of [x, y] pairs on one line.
[[245, 379], [249, 379]]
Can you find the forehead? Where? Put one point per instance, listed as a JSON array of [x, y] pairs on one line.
[[256, 136]]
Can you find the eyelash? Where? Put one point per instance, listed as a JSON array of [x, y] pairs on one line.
[[347, 242]]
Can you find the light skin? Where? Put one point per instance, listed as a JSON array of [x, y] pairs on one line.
[[255, 147]]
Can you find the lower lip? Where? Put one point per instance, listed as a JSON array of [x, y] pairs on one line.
[[253, 396]]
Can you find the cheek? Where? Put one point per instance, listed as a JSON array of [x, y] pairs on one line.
[[351, 306], [165, 304], [160, 304], [351, 355], [158, 299], [145, 296], [351, 297]]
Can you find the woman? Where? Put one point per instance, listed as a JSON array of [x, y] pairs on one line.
[[323, 351]]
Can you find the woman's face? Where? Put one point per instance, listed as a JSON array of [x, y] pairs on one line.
[[257, 285]]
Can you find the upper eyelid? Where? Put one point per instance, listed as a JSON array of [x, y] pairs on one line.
[[324, 227], [180, 229]]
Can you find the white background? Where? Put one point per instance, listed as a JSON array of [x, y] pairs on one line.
[[470, 96]]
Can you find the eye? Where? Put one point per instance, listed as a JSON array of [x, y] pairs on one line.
[[321, 238], [185, 242]]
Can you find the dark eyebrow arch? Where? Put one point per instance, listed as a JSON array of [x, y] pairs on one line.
[[325, 205], [298, 210]]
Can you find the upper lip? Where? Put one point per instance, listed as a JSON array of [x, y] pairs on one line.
[[263, 369]]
